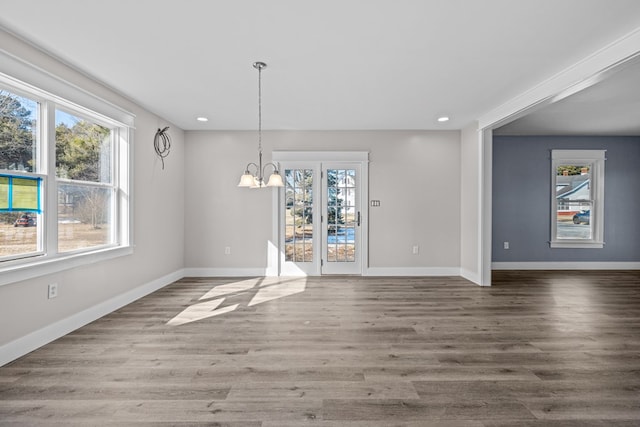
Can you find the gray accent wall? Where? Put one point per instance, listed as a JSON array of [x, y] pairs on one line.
[[522, 201]]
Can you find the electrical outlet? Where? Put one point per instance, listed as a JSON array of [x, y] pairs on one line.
[[53, 290], [505, 245], [416, 249], [227, 250]]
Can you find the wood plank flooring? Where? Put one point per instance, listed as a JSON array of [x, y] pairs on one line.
[[536, 349]]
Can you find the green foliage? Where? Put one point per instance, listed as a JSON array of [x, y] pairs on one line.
[[335, 213], [299, 195], [82, 153], [79, 151], [17, 133], [570, 169], [302, 201]]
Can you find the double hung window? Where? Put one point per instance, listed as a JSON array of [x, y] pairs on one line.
[[577, 202], [64, 179], [21, 176]]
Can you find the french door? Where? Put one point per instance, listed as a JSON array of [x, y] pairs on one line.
[[321, 218], [342, 219]]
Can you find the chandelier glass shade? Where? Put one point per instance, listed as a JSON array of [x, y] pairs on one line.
[[256, 180]]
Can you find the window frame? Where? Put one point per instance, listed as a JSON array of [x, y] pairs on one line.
[[595, 159], [112, 186], [39, 214], [53, 93]]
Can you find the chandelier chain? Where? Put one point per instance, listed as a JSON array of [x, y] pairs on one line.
[[260, 109]]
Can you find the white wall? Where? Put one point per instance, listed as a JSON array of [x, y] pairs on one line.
[[158, 231], [415, 175], [471, 158]]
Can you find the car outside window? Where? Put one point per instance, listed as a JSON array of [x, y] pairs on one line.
[[577, 198]]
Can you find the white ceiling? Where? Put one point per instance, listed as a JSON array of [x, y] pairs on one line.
[[332, 64], [610, 107]]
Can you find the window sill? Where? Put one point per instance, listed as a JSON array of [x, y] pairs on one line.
[[576, 244], [40, 266]]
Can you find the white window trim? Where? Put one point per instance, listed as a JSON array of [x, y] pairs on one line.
[[37, 83], [21, 74], [596, 159]]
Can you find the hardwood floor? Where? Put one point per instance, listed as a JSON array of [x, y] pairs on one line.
[[536, 349]]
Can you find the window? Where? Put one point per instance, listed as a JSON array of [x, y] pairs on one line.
[[64, 174], [86, 191], [20, 181], [577, 202]]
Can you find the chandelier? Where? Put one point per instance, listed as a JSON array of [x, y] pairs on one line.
[[257, 180]]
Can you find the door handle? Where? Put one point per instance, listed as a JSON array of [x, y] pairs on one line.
[[358, 219]]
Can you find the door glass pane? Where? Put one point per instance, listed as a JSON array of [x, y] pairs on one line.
[[298, 215], [574, 204], [341, 215]]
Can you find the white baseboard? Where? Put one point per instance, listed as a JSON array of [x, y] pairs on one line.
[[36, 339], [374, 271], [471, 276], [224, 272], [412, 271], [579, 265]]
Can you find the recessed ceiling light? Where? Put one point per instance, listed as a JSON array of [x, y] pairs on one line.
[[202, 119], [443, 119]]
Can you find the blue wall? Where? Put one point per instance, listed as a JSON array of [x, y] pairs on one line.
[[522, 203]]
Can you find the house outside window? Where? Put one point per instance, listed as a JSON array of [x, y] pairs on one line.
[[577, 202]]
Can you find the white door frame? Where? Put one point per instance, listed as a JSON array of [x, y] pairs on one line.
[[276, 251], [341, 267]]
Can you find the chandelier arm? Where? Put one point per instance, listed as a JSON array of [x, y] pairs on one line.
[[275, 168], [246, 169]]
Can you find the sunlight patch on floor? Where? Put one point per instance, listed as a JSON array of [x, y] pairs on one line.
[[277, 291], [201, 311], [255, 291], [231, 288]]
